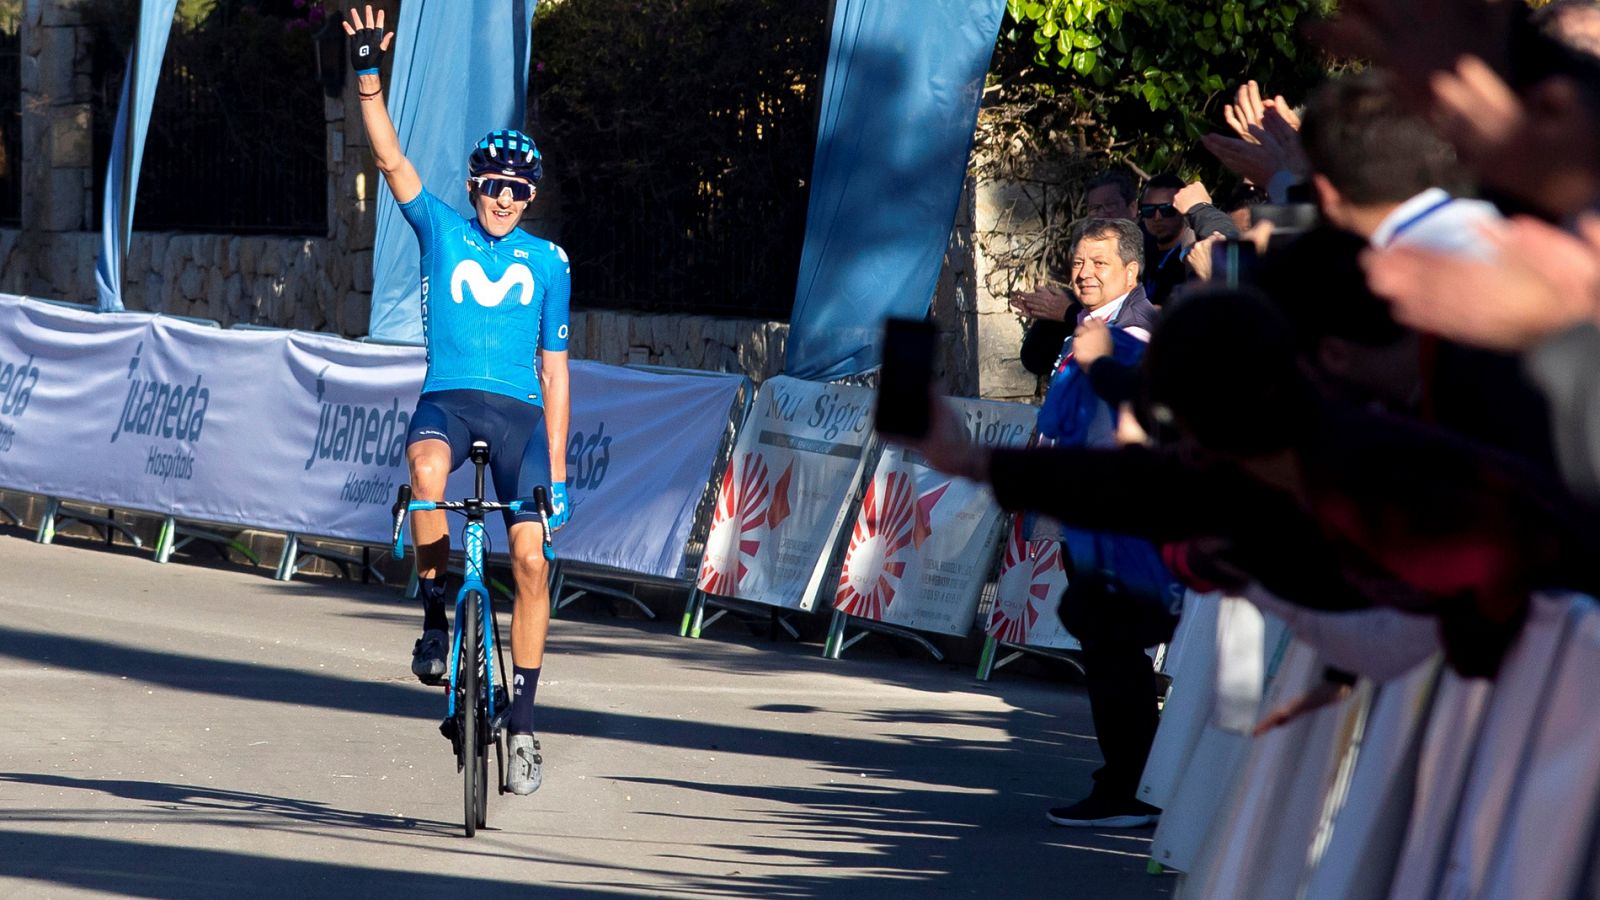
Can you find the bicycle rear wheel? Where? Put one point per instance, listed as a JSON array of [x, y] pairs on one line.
[[471, 728]]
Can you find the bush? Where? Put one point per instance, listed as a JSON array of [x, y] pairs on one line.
[[1138, 81]]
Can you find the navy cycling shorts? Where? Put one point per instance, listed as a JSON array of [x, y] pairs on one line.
[[519, 451]]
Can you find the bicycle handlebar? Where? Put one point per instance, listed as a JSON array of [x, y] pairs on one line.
[[475, 506]]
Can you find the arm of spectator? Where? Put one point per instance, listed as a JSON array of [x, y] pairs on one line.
[[1380, 643], [1563, 366], [1544, 282], [1048, 302], [1041, 345], [1206, 220], [1257, 162], [1324, 693], [1497, 132], [1091, 343], [1198, 259]]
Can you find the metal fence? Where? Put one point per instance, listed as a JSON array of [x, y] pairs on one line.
[[10, 126], [237, 140], [675, 260]]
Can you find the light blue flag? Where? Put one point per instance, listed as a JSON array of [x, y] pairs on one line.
[[460, 72], [900, 103], [127, 147]]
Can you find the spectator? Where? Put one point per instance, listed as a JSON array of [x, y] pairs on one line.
[[1540, 298], [1113, 623], [1239, 203], [1174, 215], [1326, 506], [1380, 171], [1118, 244], [1111, 195], [1108, 195]]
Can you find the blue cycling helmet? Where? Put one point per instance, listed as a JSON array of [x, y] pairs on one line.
[[506, 152]]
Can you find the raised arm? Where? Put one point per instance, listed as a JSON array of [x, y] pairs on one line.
[[368, 43]]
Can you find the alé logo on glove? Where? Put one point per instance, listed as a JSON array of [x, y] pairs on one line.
[[485, 292]]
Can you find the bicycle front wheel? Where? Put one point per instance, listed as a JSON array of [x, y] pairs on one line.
[[467, 706]]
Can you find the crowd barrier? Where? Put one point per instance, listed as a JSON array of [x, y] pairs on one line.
[[785, 494], [923, 543], [304, 433], [1421, 785], [683, 478]]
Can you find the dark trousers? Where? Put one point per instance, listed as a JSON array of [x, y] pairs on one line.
[[1114, 630]]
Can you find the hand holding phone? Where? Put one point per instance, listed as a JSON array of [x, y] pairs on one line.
[[1233, 263], [906, 377]]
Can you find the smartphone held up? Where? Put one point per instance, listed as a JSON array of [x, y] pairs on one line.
[[904, 408]]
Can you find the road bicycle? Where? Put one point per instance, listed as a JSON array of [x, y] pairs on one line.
[[477, 701]]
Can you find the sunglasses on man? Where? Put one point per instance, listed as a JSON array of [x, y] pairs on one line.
[[494, 187], [1151, 210]]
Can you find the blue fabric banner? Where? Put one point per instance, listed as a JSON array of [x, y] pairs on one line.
[[127, 147], [900, 103], [460, 72]]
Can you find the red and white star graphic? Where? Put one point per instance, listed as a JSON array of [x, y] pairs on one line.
[[741, 522], [1030, 575], [893, 518]]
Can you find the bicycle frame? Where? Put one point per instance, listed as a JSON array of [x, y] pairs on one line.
[[472, 539], [470, 730]]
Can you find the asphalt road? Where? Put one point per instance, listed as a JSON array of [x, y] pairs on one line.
[[191, 731]]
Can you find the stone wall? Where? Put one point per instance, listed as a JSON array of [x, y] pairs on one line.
[[1006, 228]]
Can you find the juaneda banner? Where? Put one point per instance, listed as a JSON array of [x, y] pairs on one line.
[[923, 541], [786, 492], [289, 431]]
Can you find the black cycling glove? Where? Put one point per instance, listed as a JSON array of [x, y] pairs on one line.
[[366, 50]]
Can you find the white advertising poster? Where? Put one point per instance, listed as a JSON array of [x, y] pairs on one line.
[[923, 541], [1032, 578], [289, 431], [785, 492]]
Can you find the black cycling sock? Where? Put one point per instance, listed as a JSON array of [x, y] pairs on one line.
[[431, 590], [524, 684]]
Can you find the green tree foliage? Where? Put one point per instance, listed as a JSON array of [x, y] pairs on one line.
[[1140, 80], [679, 135]]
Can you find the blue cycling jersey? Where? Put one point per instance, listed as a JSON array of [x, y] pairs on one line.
[[488, 304]]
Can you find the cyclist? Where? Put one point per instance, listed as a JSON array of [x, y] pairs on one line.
[[492, 296]]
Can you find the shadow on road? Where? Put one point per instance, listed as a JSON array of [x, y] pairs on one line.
[[137, 869]]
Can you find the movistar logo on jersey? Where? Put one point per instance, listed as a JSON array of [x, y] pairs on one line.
[[162, 409], [469, 274]]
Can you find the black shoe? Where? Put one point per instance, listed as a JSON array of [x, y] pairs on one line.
[[428, 658], [1095, 811]]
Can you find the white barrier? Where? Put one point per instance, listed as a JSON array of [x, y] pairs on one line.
[[304, 433], [785, 495], [923, 542], [1428, 785]]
